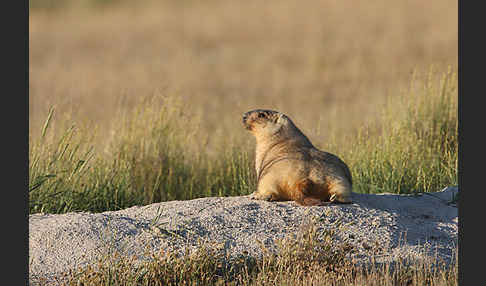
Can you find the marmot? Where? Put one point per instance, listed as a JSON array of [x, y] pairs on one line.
[[289, 167]]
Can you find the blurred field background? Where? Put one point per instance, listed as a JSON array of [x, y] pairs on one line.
[[156, 90], [331, 62]]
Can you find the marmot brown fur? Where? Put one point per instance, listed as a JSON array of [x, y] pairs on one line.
[[289, 167]]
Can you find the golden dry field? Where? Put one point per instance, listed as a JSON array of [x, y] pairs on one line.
[[137, 102], [328, 64]]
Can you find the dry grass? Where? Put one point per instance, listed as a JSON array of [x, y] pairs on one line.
[[152, 155], [328, 64], [156, 93]]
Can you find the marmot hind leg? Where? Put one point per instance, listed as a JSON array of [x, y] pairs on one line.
[[307, 194], [311, 194]]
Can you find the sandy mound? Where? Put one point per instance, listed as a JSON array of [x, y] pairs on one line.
[[388, 226]]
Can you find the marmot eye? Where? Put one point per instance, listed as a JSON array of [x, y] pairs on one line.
[[261, 115]]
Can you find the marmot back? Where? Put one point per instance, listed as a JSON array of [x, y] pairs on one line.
[[289, 167]]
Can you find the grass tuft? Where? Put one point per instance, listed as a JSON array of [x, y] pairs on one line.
[[414, 147], [158, 153]]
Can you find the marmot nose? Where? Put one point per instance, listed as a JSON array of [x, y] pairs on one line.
[[245, 116]]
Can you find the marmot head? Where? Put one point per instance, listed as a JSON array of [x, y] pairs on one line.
[[264, 123], [270, 125]]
